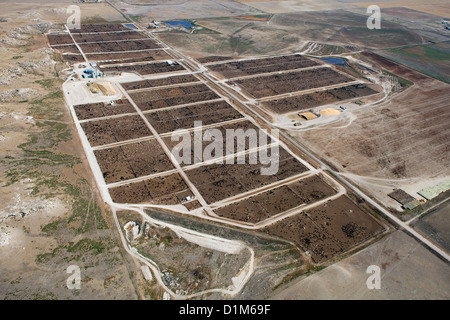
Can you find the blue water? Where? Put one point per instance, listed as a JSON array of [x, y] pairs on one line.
[[185, 24], [335, 61], [131, 26]]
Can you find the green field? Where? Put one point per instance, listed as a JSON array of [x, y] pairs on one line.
[[431, 59]]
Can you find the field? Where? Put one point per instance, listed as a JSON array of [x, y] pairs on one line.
[[168, 97], [111, 130], [328, 229], [153, 83], [256, 208], [431, 59], [265, 65], [310, 100], [292, 81], [388, 144], [208, 113], [144, 69], [102, 109], [127, 57], [132, 160]]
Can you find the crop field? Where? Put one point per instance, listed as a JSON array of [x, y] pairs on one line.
[[111, 130], [167, 97], [311, 100], [328, 229], [132, 160], [265, 65], [102, 109], [275, 84]]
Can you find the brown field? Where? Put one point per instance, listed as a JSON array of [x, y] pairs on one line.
[[159, 82], [327, 230], [275, 84], [68, 48], [73, 58], [311, 100], [166, 190], [144, 69], [55, 39], [209, 59], [401, 141], [117, 46], [239, 146], [266, 65], [269, 203], [169, 120], [220, 181], [132, 161], [101, 132], [110, 36], [168, 97], [128, 56], [99, 110], [106, 28]]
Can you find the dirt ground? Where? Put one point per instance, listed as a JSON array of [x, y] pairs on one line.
[[311, 100], [329, 229], [408, 272], [271, 85], [257, 208], [51, 215]]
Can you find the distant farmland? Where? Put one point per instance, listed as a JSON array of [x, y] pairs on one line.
[[432, 59]]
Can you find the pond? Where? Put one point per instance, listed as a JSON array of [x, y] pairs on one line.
[[335, 61], [184, 23]]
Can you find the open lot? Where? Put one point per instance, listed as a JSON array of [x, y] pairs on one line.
[[144, 69], [258, 208], [164, 190], [153, 83], [128, 57], [132, 160], [109, 36], [101, 132], [169, 120], [103, 109], [217, 182], [117, 46], [168, 97], [328, 229], [293, 81], [239, 146], [399, 143], [265, 65], [311, 100]]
